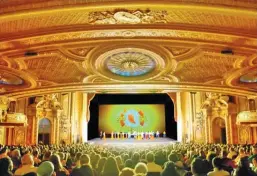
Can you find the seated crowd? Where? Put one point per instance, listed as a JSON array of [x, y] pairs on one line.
[[129, 160]]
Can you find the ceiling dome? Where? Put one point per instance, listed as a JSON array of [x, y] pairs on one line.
[[130, 63]]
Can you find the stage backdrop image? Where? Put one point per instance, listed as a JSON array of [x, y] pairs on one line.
[[132, 117]]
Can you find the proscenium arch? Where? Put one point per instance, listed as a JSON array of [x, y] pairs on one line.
[[153, 98]]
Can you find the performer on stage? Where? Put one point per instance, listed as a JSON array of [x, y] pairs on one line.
[[112, 135], [101, 134], [164, 134], [104, 137], [157, 134]]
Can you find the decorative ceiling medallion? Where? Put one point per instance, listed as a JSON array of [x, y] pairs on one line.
[[128, 17], [9, 79], [130, 63], [249, 78]]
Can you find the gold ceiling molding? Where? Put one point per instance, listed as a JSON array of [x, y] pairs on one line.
[[127, 88], [233, 79], [135, 13], [142, 33], [95, 79], [204, 67], [14, 5], [3, 62]]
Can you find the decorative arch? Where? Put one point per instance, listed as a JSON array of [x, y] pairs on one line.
[[49, 108], [216, 107], [45, 130], [219, 130]]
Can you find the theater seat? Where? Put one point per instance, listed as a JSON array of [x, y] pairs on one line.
[[153, 174]]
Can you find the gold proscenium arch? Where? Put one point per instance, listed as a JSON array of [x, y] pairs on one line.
[[71, 41]]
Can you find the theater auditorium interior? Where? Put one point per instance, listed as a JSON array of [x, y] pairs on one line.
[[128, 88]]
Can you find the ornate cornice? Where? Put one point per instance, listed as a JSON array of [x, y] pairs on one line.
[[132, 88]]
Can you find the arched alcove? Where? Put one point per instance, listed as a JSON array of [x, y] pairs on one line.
[[44, 131], [219, 130]]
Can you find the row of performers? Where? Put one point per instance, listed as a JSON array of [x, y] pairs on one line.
[[135, 135]]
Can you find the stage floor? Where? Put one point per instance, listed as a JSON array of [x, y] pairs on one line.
[[108, 141]]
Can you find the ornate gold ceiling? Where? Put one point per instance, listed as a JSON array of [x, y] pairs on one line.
[[116, 46]]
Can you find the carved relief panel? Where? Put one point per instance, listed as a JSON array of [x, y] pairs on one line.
[[244, 134]]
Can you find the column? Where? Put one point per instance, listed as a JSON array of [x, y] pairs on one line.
[[84, 118], [57, 129], [180, 120], [254, 135], [193, 113]]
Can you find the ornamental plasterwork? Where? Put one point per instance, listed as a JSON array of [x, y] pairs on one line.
[[156, 33], [176, 51], [224, 17], [128, 17], [214, 100], [80, 51], [54, 68], [247, 117], [205, 67], [49, 102], [39, 4]]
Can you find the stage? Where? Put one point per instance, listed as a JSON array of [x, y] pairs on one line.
[[108, 141]]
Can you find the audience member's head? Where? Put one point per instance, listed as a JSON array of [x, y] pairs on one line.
[[84, 160], [6, 166], [217, 163], [244, 162], [129, 163], [55, 159], [169, 169], [110, 167], [27, 159], [46, 168], [101, 164], [150, 157], [127, 172], [199, 166], [141, 168], [47, 155], [173, 157]]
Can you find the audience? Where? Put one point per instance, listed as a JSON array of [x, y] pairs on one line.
[[180, 159]]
